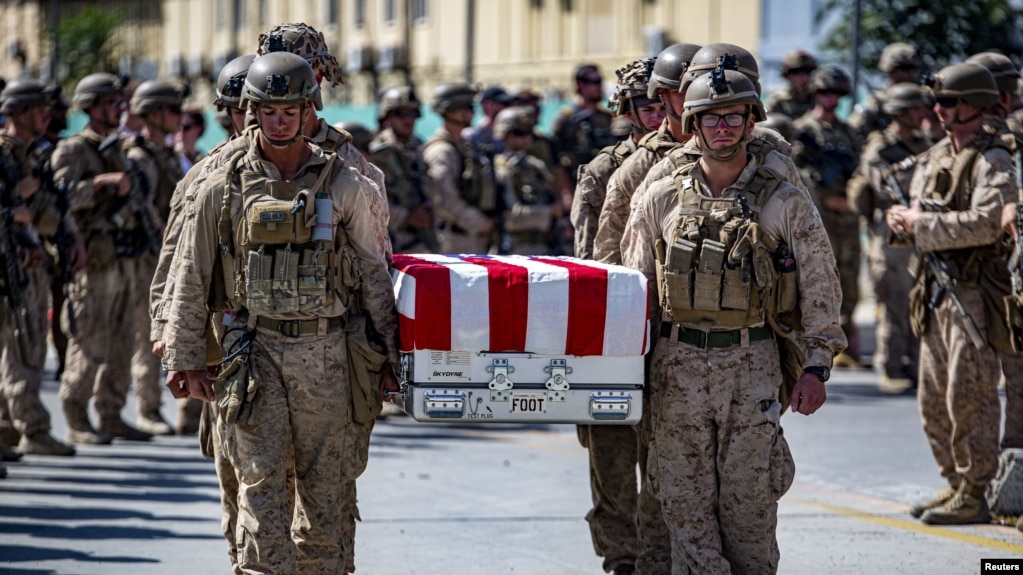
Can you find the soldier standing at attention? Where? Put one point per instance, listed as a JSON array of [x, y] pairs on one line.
[[102, 297], [827, 151], [399, 154], [296, 350], [718, 451], [795, 99], [492, 101], [24, 421], [158, 105], [901, 63], [465, 200], [963, 181], [898, 351]]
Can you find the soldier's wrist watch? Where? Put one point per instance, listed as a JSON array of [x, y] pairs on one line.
[[822, 373]]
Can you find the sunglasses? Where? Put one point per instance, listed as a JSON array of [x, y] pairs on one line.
[[113, 103], [186, 127], [831, 93], [591, 81], [731, 120], [800, 71], [947, 101], [520, 133], [405, 114]]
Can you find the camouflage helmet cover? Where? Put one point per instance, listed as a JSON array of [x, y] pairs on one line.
[[669, 67], [281, 78], [722, 87], [728, 56], [898, 55], [401, 97], [798, 60], [94, 86], [20, 95], [1001, 67], [513, 118], [153, 95], [231, 80], [632, 84], [904, 96], [447, 97], [831, 79], [967, 81], [306, 41]]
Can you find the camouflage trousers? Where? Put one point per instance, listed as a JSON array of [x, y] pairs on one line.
[[898, 350], [99, 357], [21, 408], [844, 234], [613, 454], [304, 403], [222, 437], [958, 393], [145, 366], [654, 555], [719, 460], [356, 451], [1012, 377]]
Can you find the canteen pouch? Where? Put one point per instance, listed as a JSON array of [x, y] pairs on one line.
[[235, 391], [312, 281], [259, 284], [285, 281], [707, 284]]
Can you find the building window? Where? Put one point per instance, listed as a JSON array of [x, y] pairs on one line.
[[262, 13], [359, 18], [239, 13], [332, 12], [388, 12], [566, 5], [420, 10], [536, 4]]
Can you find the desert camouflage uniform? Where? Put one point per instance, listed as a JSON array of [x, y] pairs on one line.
[[828, 153], [531, 199], [719, 471], [898, 350], [102, 296], [869, 116], [591, 191], [407, 188], [448, 163], [784, 101], [579, 135], [322, 412], [958, 385]]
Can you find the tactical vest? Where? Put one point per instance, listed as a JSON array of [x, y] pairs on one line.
[[19, 163], [719, 269], [618, 153], [476, 184], [271, 263], [168, 173]]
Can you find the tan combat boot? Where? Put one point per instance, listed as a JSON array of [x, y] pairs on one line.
[[43, 443], [895, 385], [917, 509], [154, 424], [846, 360], [967, 506], [189, 415], [79, 430], [9, 436], [114, 426]]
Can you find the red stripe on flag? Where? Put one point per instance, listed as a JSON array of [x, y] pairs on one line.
[[508, 286], [432, 326], [587, 306]]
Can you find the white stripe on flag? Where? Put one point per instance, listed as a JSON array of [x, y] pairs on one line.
[[547, 316], [405, 284], [625, 322], [470, 304]]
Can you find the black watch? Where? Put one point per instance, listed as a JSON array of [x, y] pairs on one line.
[[822, 373]]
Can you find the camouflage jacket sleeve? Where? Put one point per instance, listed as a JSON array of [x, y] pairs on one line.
[[791, 215], [377, 195], [615, 213], [588, 200], [68, 164], [444, 166], [979, 225]]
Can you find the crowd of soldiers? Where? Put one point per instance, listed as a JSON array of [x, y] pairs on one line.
[[156, 257]]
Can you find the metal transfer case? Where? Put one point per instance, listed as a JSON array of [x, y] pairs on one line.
[[571, 333]]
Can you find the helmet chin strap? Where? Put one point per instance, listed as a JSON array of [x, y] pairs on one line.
[[728, 152], [667, 107], [957, 121]]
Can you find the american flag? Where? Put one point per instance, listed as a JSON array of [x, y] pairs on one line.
[[537, 304]]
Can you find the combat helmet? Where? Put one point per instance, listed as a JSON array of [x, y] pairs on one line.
[[779, 123], [153, 95], [447, 97], [898, 55], [513, 118], [20, 95], [399, 98], [281, 78], [361, 136], [1001, 67], [904, 96], [970, 82], [669, 66], [728, 56], [632, 84], [831, 79], [307, 42], [94, 86], [231, 80], [798, 60], [721, 87]]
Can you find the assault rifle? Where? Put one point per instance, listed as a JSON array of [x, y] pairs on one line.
[[418, 176], [495, 207], [138, 197], [945, 274], [14, 278]]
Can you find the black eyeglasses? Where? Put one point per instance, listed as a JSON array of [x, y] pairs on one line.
[[520, 133], [946, 101], [187, 127], [591, 81], [174, 109], [731, 120], [800, 71], [831, 93]]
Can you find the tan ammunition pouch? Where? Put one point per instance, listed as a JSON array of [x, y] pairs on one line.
[[996, 293]]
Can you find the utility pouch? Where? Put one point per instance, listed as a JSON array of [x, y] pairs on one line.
[[365, 362], [707, 284], [259, 284], [680, 255], [786, 293], [312, 281], [285, 281], [735, 289], [235, 391], [276, 221]]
